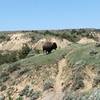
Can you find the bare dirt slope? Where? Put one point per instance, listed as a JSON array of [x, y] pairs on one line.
[[56, 93], [61, 43], [86, 40], [15, 43]]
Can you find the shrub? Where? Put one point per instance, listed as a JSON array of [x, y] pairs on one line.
[[35, 95], [64, 35], [8, 57], [24, 52], [77, 84], [95, 94], [22, 71], [4, 76], [96, 81], [70, 96], [13, 67], [73, 31], [77, 81], [29, 92], [93, 52], [37, 51], [48, 84], [3, 87], [4, 37], [33, 38], [24, 91], [48, 33], [97, 44], [69, 36], [19, 98], [81, 32]]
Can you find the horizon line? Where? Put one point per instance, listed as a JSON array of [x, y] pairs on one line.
[[42, 29]]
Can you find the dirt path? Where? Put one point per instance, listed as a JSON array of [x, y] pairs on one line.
[[57, 93], [58, 84]]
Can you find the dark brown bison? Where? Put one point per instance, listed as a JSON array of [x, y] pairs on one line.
[[49, 46]]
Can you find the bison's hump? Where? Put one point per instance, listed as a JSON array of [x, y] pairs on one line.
[[47, 44]]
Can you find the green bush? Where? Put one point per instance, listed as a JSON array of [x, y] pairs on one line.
[[24, 91], [77, 81], [24, 51], [19, 98], [35, 95], [4, 37], [96, 81], [70, 36], [48, 33], [22, 71], [13, 67], [8, 57], [29, 92], [13, 56], [4, 76], [48, 84], [3, 87]]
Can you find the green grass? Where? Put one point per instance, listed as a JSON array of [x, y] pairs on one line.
[[38, 60], [74, 53], [43, 59], [82, 53]]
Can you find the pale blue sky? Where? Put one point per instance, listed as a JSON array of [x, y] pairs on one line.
[[49, 14]]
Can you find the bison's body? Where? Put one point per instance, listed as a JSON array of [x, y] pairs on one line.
[[49, 46]]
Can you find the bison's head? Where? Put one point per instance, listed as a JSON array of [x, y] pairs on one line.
[[54, 45]]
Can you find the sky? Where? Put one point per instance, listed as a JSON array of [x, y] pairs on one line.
[[49, 14]]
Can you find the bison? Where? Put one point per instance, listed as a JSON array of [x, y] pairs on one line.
[[49, 46]]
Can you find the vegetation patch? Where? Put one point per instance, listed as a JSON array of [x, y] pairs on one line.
[[4, 37], [43, 59], [4, 76], [48, 84], [87, 54], [29, 92]]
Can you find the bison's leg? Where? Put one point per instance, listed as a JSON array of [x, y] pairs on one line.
[[45, 51], [49, 51]]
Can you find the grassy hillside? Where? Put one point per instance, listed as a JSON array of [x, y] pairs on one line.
[[42, 66], [70, 73], [87, 54]]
